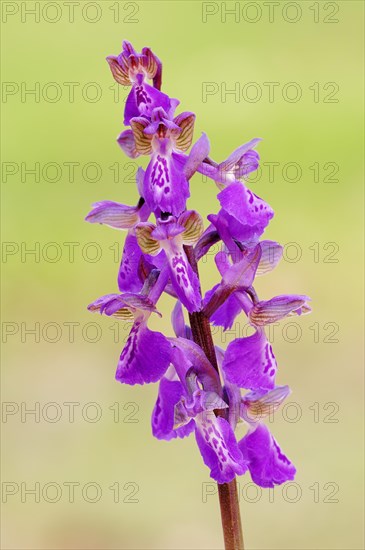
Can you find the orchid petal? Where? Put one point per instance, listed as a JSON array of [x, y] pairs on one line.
[[120, 74], [246, 207], [184, 280], [241, 274], [142, 140], [127, 143], [145, 357], [271, 254], [178, 321], [119, 216], [147, 243], [219, 448], [165, 186], [250, 362], [277, 308], [163, 419], [193, 225], [149, 62], [190, 355], [267, 464], [198, 153], [257, 405], [128, 274], [185, 121], [235, 157]]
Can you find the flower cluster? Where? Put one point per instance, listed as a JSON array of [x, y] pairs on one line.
[[197, 393]]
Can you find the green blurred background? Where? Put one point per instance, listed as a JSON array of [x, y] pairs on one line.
[[162, 502]]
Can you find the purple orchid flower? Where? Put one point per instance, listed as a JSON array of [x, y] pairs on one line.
[[166, 187], [121, 216], [267, 464], [224, 302], [238, 165], [170, 235], [146, 355], [187, 407], [243, 216], [255, 351], [199, 384], [132, 69]]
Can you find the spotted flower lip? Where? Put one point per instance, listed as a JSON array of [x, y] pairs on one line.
[[166, 187], [214, 436], [267, 464], [261, 453], [181, 409], [250, 363], [248, 215], [171, 235]]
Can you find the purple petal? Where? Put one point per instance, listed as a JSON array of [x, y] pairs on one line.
[[246, 208], [267, 464], [188, 355], [178, 321], [127, 143], [238, 153], [110, 304], [222, 262], [169, 394], [114, 214], [184, 280], [128, 277], [226, 314], [233, 397], [166, 230], [229, 230], [131, 108], [142, 100], [207, 401], [256, 405], [271, 254], [238, 159], [119, 70], [100, 304], [219, 448], [237, 276], [165, 185], [277, 308], [242, 273], [198, 153], [145, 356], [250, 363], [139, 180], [248, 163], [209, 238]]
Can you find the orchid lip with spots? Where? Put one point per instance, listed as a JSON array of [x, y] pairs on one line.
[[202, 389]]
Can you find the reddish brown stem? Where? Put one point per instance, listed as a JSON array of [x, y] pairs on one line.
[[228, 496]]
